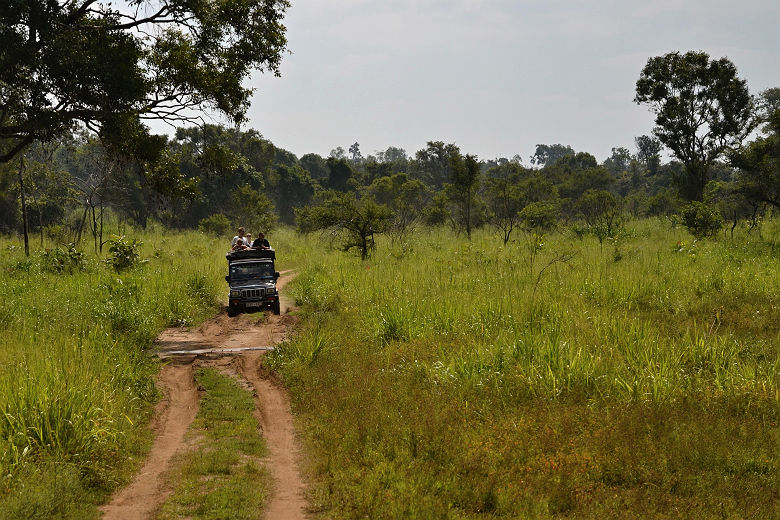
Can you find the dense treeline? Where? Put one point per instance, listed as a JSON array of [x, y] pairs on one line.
[[215, 178]]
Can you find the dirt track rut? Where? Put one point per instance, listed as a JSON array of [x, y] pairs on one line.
[[218, 339]]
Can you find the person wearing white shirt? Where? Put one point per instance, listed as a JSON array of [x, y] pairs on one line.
[[238, 237]]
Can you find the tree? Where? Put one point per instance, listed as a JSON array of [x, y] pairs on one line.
[[726, 197], [504, 198], [702, 109], [619, 161], [354, 153], [759, 166], [462, 190], [67, 61], [432, 164], [648, 152], [351, 221], [374, 170], [547, 154], [392, 154], [404, 197], [539, 217], [8, 199], [217, 225], [339, 173], [48, 186], [602, 212], [579, 181], [315, 165], [701, 219], [94, 185], [768, 104], [219, 160], [252, 209], [292, 188]]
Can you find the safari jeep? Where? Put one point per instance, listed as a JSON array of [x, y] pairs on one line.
[[252, 280]]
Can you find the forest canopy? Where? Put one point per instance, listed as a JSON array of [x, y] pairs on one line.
[[108, 66]]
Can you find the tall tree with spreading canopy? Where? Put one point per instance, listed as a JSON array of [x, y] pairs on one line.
[[103, 64], [702, 110]]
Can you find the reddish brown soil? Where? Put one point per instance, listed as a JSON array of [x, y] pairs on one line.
[[175, 412], [173, 416]]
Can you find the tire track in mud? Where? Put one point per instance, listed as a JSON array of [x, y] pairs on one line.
[[173, 416], [176, 411]]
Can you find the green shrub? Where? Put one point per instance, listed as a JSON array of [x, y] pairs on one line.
[[124, 253], [701, 220], [63, 259], [541, 215], [217, 225]]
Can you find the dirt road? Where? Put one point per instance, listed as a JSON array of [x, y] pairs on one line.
[[240, 341]]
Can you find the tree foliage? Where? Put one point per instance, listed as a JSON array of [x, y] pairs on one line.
[[103, 64], [351, 221], [252, 209], [702, 109], [547, 154], [759, 166], [432, 164], [602, 212], [701, 219], [404, 197], [462, 190], [504, 198], [291, 188], [648, 152]]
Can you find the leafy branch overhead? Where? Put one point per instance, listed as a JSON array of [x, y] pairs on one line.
[[101, 64]]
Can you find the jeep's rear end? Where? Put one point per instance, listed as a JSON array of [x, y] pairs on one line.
[[252, 280]]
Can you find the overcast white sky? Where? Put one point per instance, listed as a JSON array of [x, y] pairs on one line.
[[495, 77]]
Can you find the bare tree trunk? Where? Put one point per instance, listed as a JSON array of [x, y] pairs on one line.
[[102, 209], [81, 224], [40, 214], [94, 230], [24, 208]]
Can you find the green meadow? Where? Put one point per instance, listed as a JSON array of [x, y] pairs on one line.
[[442, 378], [553, 377]]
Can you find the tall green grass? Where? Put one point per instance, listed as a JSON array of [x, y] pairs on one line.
[[425, 354]]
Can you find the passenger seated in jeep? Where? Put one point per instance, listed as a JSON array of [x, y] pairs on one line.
[[261, 242], [239, 246]]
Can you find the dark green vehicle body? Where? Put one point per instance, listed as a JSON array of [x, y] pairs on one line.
[[252, 280]]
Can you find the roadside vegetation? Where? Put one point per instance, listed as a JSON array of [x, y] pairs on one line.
[[551, 376], [76, 375]]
